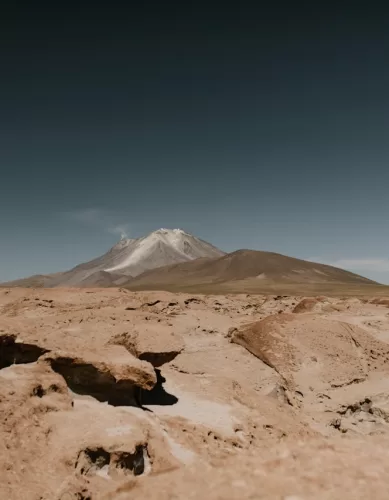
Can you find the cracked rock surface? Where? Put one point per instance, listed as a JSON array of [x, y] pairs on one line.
[[109, 394]]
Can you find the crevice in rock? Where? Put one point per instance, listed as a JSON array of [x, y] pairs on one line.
[[134, 462], [98, 461], [39, 391], [158, 359], [158, 395], [134, 346], [86, 379], [349, 382], [14, 352], [362, 406], [89, 461], [150, 304], [195, 300], [363, 416]]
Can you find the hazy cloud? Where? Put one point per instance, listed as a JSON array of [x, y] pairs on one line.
[[106, 220], [368, 264], [121, 230]]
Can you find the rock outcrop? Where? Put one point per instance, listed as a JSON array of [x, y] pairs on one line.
[[301, 347], [306, 305], [111, 374], [314, 469]]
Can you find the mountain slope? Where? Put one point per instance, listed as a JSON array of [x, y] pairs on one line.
[[35, 281], [131, 257], [245, 264], [161, 248]]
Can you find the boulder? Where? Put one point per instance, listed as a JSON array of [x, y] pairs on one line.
[[306, 305], [305, 348]]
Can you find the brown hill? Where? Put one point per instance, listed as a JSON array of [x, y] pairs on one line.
[[263, 267]]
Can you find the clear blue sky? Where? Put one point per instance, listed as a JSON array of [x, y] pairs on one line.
[[263, 128]]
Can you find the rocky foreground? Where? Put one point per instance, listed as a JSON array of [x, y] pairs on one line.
[[109, 394]]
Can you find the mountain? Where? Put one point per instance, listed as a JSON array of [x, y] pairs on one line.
[[172, 259], [263, 267], [161, 248], [131, 257]]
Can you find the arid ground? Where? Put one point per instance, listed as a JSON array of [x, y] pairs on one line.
[[113, 394]]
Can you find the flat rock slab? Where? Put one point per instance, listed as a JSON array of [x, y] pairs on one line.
[[157, 344]]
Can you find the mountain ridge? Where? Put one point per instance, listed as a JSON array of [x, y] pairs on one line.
[[246, 264], [169, 258]]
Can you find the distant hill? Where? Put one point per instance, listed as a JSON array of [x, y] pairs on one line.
[[266, 267]]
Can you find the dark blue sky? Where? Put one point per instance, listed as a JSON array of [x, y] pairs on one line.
[[250, 126]]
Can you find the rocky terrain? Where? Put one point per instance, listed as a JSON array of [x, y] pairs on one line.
[[111, 394]]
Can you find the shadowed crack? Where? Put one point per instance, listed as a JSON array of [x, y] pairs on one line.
[[158, 359], [14, 352], [100, 461], [86, 379], [150, 346], [158, 395], [118, 384]]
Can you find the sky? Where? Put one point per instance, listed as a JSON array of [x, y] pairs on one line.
[[250, 126]]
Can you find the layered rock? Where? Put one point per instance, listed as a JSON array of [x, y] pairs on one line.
[[111, 374]]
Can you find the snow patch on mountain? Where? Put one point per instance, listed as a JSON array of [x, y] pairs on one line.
[[131, 257], [162, 247]]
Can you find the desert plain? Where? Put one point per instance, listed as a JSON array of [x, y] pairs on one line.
[[111, 394]]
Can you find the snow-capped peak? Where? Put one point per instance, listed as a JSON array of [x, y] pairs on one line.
[[159, 248], [170, 231]]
